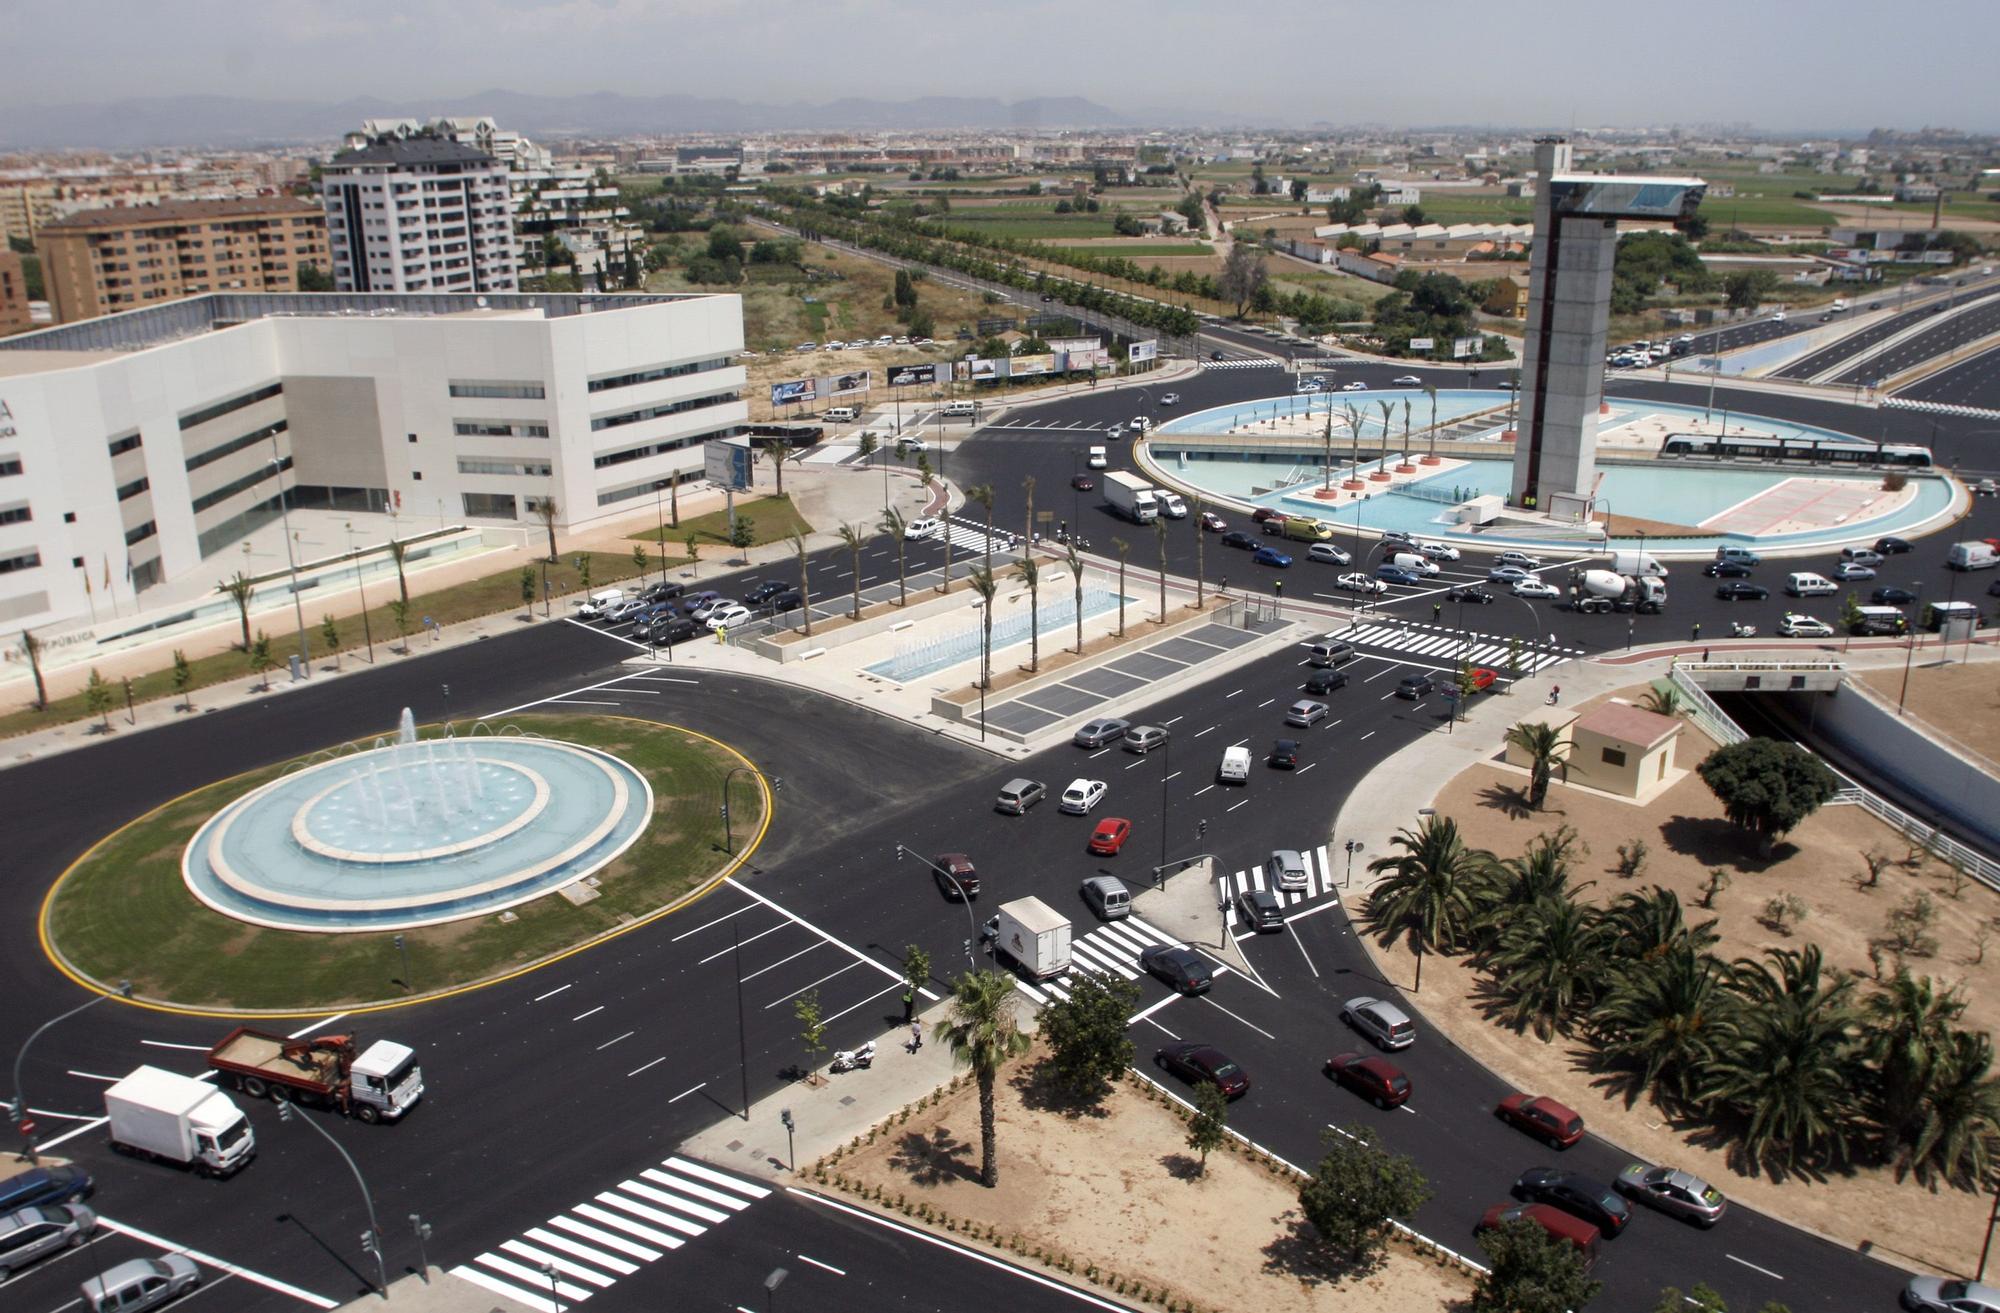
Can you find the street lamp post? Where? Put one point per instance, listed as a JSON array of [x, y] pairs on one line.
[[423, 1230], [1910, 648], [292, 563], [18, 1112], [971, 921], [1353, 846], [777, 782], [361, 594], [372, 1242]]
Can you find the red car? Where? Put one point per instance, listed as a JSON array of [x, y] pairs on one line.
[[1212, 522], [1109, 836], [1263, 513], [1083, 483], [1543, 1118], [1372, 1077], [1482, 679]]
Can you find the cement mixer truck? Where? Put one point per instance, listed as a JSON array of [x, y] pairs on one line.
[[1607, 590]]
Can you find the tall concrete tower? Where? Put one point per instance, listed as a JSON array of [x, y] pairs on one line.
[[1569, 309]]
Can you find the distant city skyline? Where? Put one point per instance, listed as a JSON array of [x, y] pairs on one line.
[[1838, 66]]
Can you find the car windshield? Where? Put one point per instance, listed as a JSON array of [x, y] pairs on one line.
[[1226, 1070]]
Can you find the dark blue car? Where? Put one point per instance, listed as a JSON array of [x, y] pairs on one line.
[[1271, 556]]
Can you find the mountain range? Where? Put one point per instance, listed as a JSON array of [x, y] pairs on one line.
[[227, 121]]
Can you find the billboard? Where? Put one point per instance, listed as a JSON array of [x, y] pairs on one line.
[[794, 392], [840, 385], [726, 463], [903, 376], [985, 369], [1464, 347], [1085, 360], [1140, 352], [1062, 344], [1022, 366], [1422, 343]]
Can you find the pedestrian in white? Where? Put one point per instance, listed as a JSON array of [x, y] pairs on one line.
[[916, 1036]]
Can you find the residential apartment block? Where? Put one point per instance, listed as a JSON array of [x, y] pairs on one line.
[[419, 214], [14, 316], [99, 262]]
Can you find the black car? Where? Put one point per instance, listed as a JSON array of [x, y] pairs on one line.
[[1183, 968], [662, 592], [1891, 597], [1284, 754], [1469, 593], [1261, 909], [785, 599], [764, 592], [1215, 355], [1238, 538], [1727, 570], [1415, 687], [1892, 546], [669, 629], [1736, 591], [1580, 1196], [1322, 682]]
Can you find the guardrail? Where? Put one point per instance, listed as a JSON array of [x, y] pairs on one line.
[[1704, 711]]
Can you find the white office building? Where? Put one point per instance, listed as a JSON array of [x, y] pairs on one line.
[[140, 447], [419, 214]]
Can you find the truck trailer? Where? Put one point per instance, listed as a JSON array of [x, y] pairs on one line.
[[380, 1083], [1130, 496], [172, 1118], [1032, 935]]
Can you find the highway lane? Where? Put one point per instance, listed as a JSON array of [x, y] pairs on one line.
[[1974, 381], [1942, 338]]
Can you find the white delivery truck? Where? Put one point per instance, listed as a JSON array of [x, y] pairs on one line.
[[1032, 935], [1131, 496], [174, 1118]]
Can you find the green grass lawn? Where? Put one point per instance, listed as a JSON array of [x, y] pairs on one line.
[[772, 519], [124, 912], [1767, 210]]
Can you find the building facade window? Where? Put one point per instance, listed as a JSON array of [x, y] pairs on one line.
[[19, 513], [235, 445], [1614, 756], [221, 408], [127, 491], [20, 561], [498, 428], [656, 412], [121, 445], [490, 505], [505, 391], [141, 533], [656, 373], [234, 486], [530, 468]]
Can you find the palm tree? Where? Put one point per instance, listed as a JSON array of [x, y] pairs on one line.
[[548, 510], [1664, 699], [851, 536], [1160, 535], [1406, 428], [1910, 1025], [1549, 960], [1124, 551], [1664, 1021], [1028, 534], [1648, 926], [399, 551], [1544, 745], [986, 586], [31, 647], [1354, 422], [1542, 871], [1388, 407], [1030, 573], [239, 589], [1432, 392], [983, 494], [1958, 1138], [893, 524], [981, 1032], [1326, 438], [805, 583], [1428, 889], [1790, 1063], [1076, 578]]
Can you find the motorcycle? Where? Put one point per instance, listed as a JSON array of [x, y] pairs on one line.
[[1742, 631], [848, 1060]]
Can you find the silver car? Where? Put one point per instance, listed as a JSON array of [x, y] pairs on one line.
[[1380, 1020], [1679, 1194], [1285, 869], [1928, 1294], [1305, 712], [1101, 730], [141, 1283], [31, 1233]]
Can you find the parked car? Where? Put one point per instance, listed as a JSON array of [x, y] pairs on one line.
[[1415, 687], [1285, 869], [1198, 1064], [1939, 1295], [1558, 1224], [1305, 713], [1579, 1196], [1212, 522], [765, 591], [954, 876], [1329, 554], [1470, 593], [1541, 1117], [1372, 1077], [1239, 539], [1100, 730], [1362, 583], [1536, 588], [1271, 556], [1183, 968], [1436, 550], [1263, 513], [1380, 1020], [1284, 755], [1861, 555], [671, 629], [140, 1284], [1892, 596], [787, 599], [665, 591], [1322, 682], [728, 614], [1109, 836], [1142, 739], [1794, 625], [1853, 571], [1738, 590], [28, 1234], [1261, 909], [45, 1185], [1081, 796], [1676, 1193]]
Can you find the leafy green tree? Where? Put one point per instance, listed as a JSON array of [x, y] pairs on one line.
[[97, 699], [1664, 1022], [982, 1034], [399, 552], [528, 591], [1243, 273], [1910, 1025], [916, 974], [1428, 889], [1767, 787], [812, 1026], [1646, 927], [1665, 700], [743, 533], [1208, 1128], [1548, 962], [1088, 1034], [261, 660], [239, 588], [724, 244], [583, 564], [1851, 618], [399, 615], [1544, 746], [183, 679], [1541, 871], [314, 279], [1746, 290], [639, 560], [1956, 1137], [1701, 1299], [329, 637], [1355, 1192], [1530, 1271]]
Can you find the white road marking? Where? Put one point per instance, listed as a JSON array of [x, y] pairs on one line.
[[1232, 693], [1369, 735], [1203, 789], [1210, 730], [736, 945], [1234, 806], [807, 1258], [593, 1012], [684, 1093], [162, 1044], [621, 1039], [780, 962], [1753, 1267], [815, 984], [255, 1278], [308, 1029], [552, 993], [706, 924], [1225, 1011], [648, 1067], [1265, 703]]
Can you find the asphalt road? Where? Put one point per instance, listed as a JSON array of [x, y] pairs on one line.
[[1969, 325], [1974, 381]]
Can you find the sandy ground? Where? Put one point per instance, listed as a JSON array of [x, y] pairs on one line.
[[1958, 702], [1226, 1239], [1821, 864]]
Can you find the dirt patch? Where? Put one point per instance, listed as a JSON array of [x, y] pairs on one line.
[[1140, 1219], [1687, 835], [1959, 703]]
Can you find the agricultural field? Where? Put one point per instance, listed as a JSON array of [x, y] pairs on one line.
[[1135, 247], [1030, 226]]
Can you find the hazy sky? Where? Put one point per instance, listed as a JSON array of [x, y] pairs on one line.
[[1778, 64]]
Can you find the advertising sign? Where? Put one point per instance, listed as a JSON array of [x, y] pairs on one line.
[[1025, 365], [1140, 352], [1083, 361], [726, 463], [985, 369], [1422, 343], [795, 392], [1062, 344], [1463, 348], [903, 376], [840, 385]]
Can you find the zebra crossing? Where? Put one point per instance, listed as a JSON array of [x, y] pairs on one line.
[[1320, 882], [1449, 646], [1110, 950], [971, 537], [1243, 362], [589, 1247]]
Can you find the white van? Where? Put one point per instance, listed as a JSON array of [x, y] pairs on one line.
[[1807, 584], [1108, 897], [1096, 459], [839, 415], [600, 602], [1972, 556], [954, 409], [1235, 768], [1415, 563]]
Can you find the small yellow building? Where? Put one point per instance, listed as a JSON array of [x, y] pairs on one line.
[[1614, 748]]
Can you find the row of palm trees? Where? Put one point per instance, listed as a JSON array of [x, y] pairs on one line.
[[1800, 1064]]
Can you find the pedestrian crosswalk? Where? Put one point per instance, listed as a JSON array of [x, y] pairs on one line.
[[1320, 883], [1441, 646], [1243, 362], [589, 1247], [1110, 950], [971, 537]]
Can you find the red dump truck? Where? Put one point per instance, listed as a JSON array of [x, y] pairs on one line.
[[380, 1083]]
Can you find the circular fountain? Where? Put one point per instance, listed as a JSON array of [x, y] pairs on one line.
[[417, 831]]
